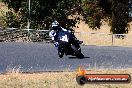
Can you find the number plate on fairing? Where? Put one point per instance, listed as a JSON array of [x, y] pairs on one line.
[[64, 38]]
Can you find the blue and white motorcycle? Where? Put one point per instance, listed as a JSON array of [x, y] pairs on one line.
[[69, 45]]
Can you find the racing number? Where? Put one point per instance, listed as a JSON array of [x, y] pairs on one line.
[[64, 38]]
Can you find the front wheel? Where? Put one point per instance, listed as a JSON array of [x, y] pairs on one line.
[[60, 54]]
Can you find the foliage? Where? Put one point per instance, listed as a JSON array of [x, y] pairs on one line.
[[43, 12], [2, 19], [119, 16], [92, 13], [116, 10], [12, 20]]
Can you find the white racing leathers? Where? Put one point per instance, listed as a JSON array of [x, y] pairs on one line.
[[52, 34]]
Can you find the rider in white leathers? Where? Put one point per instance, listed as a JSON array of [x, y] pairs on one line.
[[53, 33]]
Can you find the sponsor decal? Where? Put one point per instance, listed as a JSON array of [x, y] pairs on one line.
[[82, 78]]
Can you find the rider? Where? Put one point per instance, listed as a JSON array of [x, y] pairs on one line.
[[62, 37], [56, 28]]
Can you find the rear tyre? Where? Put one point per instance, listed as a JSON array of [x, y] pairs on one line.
[[80, 56], [77, 52]]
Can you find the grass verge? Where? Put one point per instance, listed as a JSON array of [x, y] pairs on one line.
[[56, 80]]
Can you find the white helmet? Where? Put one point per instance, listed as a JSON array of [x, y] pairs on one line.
[[54, 24]]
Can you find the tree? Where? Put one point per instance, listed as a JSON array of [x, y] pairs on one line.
[[43, 12], [116, 10], [120, 12], [92, 13]]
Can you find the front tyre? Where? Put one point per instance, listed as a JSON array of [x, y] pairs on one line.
[[80, 56], [60, 54]]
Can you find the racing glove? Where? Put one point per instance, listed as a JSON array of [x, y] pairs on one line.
[[56, 44]]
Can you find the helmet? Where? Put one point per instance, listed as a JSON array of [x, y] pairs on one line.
[[55, 25]]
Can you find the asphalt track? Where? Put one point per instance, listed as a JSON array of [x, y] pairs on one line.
[[30, 57]]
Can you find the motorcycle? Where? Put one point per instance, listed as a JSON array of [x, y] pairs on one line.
[[69, 44]]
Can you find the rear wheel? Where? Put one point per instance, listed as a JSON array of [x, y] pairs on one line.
[[80, 56], [77, 52]]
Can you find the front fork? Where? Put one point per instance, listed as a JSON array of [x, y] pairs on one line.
[[60, 52]]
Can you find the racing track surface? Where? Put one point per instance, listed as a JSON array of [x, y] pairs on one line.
[[30, 57]]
